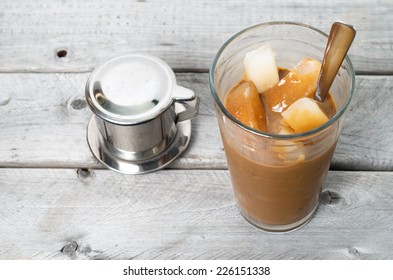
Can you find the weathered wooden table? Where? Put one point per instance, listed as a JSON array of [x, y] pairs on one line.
[[58, 202]]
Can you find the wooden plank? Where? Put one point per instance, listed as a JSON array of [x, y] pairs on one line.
[[178, 214], [44, 120], [187, 36]]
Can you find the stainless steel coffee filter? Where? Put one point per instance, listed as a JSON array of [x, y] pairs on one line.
[[141, 118]]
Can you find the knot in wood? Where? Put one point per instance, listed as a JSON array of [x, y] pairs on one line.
[[5, 101], [83, 173], [70, 249], [330, 198], [78, 104], [355, 252], [61, 53]]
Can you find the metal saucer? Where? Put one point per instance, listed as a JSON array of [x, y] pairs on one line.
[[98, 148]]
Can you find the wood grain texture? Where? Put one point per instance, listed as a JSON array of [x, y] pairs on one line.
[[186, 35], [57, 202], [44, 120], [177, 214]]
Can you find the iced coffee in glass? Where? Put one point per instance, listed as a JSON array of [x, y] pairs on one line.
[[278, 140]]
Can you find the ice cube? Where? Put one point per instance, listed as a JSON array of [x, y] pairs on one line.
[[304, 115], [260, 67], [289, 150], [244, 103], [299, 82], [284, 130]]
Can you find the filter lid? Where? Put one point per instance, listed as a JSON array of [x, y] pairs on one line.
[[130, 89]]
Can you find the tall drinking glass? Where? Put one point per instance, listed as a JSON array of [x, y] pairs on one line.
[[277, 179]]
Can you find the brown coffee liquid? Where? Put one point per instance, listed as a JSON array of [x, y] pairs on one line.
[[282, 194], [277, 195]]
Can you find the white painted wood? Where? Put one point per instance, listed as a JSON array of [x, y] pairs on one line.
[[44, 119], [186, 35], [52, 210], [178, 214]]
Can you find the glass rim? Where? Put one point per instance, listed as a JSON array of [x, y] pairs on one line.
[[314, 131]]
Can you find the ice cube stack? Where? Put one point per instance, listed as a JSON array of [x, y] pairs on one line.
[[261, 94]]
